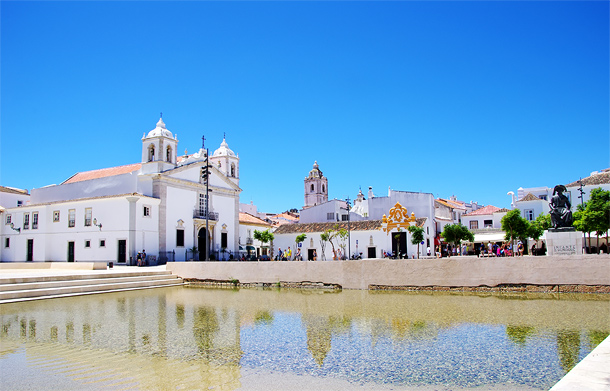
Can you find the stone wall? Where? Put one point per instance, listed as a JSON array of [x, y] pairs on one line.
[[468, 271]]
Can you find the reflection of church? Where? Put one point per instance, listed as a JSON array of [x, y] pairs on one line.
[[157, 205]]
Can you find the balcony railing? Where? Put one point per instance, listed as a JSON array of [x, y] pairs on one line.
[[200, 214]]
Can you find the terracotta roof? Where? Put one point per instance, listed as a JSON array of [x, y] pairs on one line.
[[102, 173], [366, 225], [13, 190], [247, 218], [529, 197], [601, 178], [450, 204], [486, 210]]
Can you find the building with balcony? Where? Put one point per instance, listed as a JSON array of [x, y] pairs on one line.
[[159, 205]]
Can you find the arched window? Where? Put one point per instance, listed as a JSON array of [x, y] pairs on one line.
[[233, 170], [312, 188], [322, 188], [151, 153], [168, 154]]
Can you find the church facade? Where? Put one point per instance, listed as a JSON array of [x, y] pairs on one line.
[[157, 205]]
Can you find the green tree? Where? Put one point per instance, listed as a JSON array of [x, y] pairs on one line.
[[333, 234], [455, 233], [537, 227], [263, 236], [417, 236], [596, 214], [299, 239], [515, 226]]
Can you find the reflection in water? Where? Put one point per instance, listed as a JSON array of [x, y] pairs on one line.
[[201, 338], [568, 347], [180, 315], [519, 334], [204, 326], [263, 318]]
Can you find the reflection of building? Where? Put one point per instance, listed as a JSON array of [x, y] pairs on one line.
[[157, 205]]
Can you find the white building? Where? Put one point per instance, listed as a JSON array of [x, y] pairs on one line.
[[486, 224], [447, 212], [371, 238], [249, 246], [11, 197], [534, 201], [157, 205]]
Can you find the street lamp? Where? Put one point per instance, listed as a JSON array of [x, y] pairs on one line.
[[349, 242], [18, 229], [96, 224]]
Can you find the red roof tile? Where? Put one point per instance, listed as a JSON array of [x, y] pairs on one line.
[[102, 173], [247, 218], [486, 210]]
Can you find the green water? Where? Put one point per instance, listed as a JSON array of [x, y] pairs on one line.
[[198, 338]]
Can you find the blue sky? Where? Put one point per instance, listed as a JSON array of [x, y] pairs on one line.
[[473, 98]]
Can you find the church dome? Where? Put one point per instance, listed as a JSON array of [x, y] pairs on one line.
[[224, 150], [316, 172], [160, 130]]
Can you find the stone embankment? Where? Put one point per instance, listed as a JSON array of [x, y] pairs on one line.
[[553, 274]]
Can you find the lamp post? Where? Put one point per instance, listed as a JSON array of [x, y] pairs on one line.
[[349, 242], [582, 203], [18, 229]]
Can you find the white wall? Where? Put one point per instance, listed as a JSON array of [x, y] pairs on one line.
[[51, 237], [10, 200]]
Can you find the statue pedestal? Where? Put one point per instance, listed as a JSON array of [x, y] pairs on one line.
[[564, 241]]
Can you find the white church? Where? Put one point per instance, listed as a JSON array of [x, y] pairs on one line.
[[157, 205]]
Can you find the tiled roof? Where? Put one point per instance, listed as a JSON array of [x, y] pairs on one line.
[[450, 204], [366, 225], [13, 190], [102, 173], [529, 197], [600, 178], [247, 218], [486, 210]]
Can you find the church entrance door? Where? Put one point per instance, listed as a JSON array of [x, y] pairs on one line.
[[202, 243]]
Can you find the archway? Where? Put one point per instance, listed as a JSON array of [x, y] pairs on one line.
[[202, 243]]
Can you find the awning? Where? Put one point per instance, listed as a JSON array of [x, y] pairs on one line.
[[489, 237], [250, 248]]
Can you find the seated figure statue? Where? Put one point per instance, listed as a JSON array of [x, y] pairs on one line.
[[561, 214]]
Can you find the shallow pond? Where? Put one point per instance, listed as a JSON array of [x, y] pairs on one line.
[[198, 338]]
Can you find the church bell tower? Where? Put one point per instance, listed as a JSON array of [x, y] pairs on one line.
[[316, 187]]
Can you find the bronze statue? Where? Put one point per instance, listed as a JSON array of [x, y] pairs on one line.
[[561, 215]]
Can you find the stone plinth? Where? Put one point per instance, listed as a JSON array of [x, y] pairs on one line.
[[564, 242]]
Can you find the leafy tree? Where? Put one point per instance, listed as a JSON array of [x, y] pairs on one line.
[[596, 215], [515, 226], [333, 234], [417, 236], [263, 236], [455, 233], [299, 239], [581, 223], [323, 240]]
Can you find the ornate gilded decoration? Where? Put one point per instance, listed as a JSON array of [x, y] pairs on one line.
[[399, 219]]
